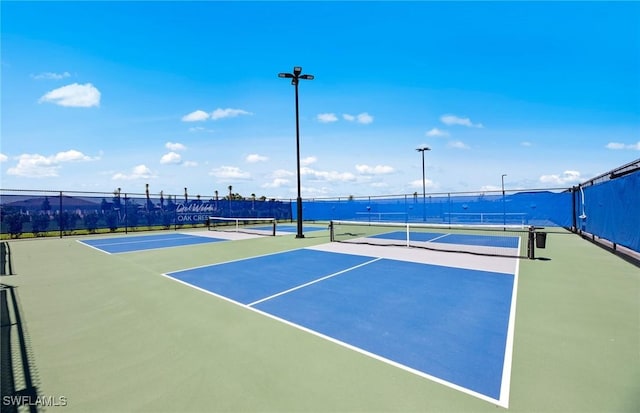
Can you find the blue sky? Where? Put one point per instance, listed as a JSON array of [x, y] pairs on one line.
[[98, 96]]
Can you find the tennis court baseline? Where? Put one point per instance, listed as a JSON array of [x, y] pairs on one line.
[[448, 324]]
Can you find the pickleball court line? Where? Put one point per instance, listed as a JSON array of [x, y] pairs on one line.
[[152, 238], [313, 282]]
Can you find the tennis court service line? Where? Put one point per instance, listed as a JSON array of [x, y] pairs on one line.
[[437, 238], [312, 282]]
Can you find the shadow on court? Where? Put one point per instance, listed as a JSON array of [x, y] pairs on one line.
[[16, 356]]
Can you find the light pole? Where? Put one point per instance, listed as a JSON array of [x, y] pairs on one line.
[[295, 77], [424, 187], [504, 210]]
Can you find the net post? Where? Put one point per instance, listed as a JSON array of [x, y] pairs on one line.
[[331, 234], [274, 228], [531, 243]]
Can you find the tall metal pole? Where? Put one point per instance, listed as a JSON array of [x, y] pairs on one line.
[[424, 184], [295, 78], [504, 208], [424, 191], [299, 234]]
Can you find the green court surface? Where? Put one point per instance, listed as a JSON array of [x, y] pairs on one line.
[[94, 332]]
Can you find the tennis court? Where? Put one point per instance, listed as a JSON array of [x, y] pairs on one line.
[[389, 309], [277, 323]]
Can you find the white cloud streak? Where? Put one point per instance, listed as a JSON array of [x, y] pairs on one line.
[[458, 145], [137, 172], [228, 113], [196, 116], [327, 117], [171, 158], [623, 146], [254, 158], [40, 166], [362, 118], [456, 120], [437, 132], [51, 76], [374, 170], [175, 146], [331, 176], [73, 95], [230, 172], [308, 160], [567, 177]]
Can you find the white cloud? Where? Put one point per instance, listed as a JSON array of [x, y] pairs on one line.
[[619, 146], [374, 170], [228, 113], [254, 157], [526, 143], [489, 188], [456, 120], [331, 176], [137, 172], [39, 166], [190, 164], [565, 178], [282, 173], [230, 172], [3, 157], [73, 95], [171, 157], [365, 118], [458, 145], [175, 146], [327, 117], [428, 183], [196, 116], [71, 155], [51, 76], [34, 166], [276, 183], [437, 132], [308, 160]]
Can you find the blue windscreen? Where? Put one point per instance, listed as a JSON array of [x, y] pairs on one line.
[[611, 210]]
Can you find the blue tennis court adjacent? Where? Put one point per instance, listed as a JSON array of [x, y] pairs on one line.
[[147, 242], [447, 323]]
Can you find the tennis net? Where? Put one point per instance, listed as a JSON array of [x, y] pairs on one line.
[[258, 226], [488, 240]]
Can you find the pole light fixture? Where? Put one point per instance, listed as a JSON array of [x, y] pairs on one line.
[[295, 79], [423, 149]]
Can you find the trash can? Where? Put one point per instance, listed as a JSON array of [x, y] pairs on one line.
[[541, 239]]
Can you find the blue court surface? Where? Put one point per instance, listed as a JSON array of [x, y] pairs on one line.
[[449, 238], [146, 242], [294, 228], [447, 324]]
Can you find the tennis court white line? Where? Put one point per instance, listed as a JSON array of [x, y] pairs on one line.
[[313, 282], [441, 236], [505, 385]]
